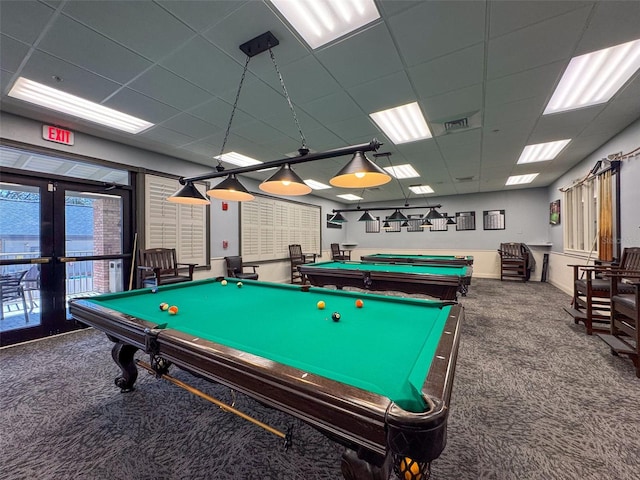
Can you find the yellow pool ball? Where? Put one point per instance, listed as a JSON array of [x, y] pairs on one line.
[[321, 305], [223, 283], [173, 310], [164, 306], [410, 469]]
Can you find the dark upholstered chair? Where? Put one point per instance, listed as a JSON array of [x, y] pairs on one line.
[[158, 266], [298, 258], [592, 290], [514, 261], [337, 254], [11, 289], [235, 268], [624, 337]]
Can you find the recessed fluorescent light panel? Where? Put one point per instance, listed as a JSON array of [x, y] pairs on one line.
[[521, 179], [349, 196], [595, 77], [320, 21], [420, 189], [402, 171], [403, 124], [237, 159], [542, 151], [39, 94], [316, 185]]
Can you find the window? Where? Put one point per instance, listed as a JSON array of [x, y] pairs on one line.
[[580, 215], [172, 225]]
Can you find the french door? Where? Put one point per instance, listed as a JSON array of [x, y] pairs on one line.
[[58, 240]]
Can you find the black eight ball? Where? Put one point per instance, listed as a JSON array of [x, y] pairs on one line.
[[335, 316]]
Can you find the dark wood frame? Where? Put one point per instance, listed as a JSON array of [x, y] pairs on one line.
[[381, 258]]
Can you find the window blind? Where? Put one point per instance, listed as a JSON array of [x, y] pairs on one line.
[[269, 225]]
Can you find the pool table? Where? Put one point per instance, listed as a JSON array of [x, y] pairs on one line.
[[378, 381], [439, 281], [418, 259]]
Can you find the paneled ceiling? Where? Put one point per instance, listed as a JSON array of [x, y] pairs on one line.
[[177, 64]]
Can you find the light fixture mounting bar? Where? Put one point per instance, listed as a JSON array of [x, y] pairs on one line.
[[260, 44], [336, 210], [373, 145]]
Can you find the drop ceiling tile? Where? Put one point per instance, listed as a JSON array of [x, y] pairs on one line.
[[218, 112], [613, 23], [353, 61], [190, 125], [424, 32], [388, 9], [332, 108], [468, 137], [509, 16], [322, 139], [144, 27], [563, 125], [354, 128], [5, 79], [529, 110], [261, 100], [24, 21], [258, 132], [170, 89], [141, 106], [204, 65], [537, 82], [198, 14], [166, 136], [453, 104], [287, 125], [306, 79], [386, 92], [537, 45], [450, 72], [42, 67], [12, 52], [462, 154], [75, 43]]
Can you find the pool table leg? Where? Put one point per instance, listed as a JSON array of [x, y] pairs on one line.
[[355, 468], [123, 354]]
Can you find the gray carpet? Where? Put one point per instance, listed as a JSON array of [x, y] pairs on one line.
[[534, 398]]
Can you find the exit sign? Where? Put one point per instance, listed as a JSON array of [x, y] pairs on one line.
[[58, 135]]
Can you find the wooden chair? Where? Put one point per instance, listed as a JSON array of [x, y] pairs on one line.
[[298, 258], [159, 266], [624, 336], [235, 268], [591, 303], [11, 290], [337, 254], [514, 261]]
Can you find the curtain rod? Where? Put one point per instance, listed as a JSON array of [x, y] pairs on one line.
[[373, 145]]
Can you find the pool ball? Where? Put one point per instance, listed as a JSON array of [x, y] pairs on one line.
[[164, 306], [173, 310], [154, 290], [320, 305], [359, 303], [223, 283], [239, 284], [335, 316]]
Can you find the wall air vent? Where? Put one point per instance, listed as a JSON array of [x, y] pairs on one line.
[[456, 124]]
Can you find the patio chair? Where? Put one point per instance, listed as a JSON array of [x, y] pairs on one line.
[[11, 291]]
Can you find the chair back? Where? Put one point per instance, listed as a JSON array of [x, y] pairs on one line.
[[295, 254], [511, 250], [630, 259], [163, 259], [335, 251], [10, 286], [234, 266]]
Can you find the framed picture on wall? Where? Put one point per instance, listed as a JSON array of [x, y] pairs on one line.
[[554, 212]]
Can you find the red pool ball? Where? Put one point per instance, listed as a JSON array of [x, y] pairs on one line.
[[173, 310], [359, 303]]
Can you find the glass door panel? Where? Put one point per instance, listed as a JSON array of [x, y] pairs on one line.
[[86, 278]]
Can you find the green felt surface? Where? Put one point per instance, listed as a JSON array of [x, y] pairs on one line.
[[419, 257], [402, 268], [385, 347]]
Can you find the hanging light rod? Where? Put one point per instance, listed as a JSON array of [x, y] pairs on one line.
[[341, 210], [372, 146]]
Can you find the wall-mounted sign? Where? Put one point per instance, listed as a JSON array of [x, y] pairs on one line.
[[56, 134]]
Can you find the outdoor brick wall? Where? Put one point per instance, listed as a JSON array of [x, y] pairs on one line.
[[107, 233]]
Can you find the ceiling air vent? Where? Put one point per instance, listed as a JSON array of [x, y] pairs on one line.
[[464, 179], [456, 124]]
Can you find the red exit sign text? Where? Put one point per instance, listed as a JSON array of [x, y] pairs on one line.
[[58, 135]]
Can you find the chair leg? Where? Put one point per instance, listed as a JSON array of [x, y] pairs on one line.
[[26, 312]]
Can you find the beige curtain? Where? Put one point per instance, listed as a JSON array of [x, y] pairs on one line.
[[605, 217]]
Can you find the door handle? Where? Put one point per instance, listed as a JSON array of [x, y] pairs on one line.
[[41, 260], [67, 259]]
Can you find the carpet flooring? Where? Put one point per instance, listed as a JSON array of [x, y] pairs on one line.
[[534, 398]]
